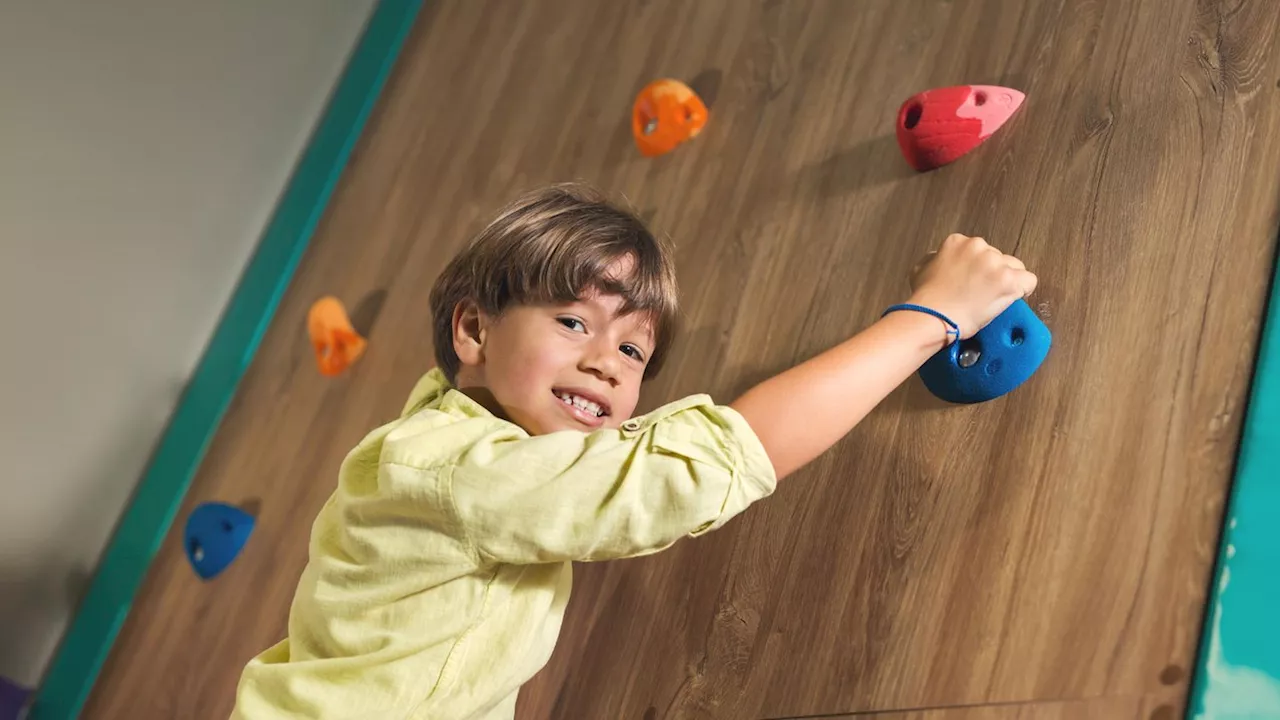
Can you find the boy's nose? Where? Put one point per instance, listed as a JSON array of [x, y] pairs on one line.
[[602, 361]]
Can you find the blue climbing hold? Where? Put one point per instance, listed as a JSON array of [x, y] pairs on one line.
[[999, 358], [214, 535]]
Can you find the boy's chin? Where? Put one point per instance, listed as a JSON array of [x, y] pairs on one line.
[[558, 420]]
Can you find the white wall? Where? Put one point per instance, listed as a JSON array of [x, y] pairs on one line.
[[143, 144]]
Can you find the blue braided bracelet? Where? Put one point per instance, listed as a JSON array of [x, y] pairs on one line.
[[954, 328]]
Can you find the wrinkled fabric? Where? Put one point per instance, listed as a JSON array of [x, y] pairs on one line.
[[440, 568]]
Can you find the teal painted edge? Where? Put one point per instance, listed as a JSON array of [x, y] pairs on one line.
[[151, 512], [1238, 669]]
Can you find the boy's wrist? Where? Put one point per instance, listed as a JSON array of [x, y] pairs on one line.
[[930, 334]]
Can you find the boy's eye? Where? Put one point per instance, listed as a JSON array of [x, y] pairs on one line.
[[572, 323], [634, 352]]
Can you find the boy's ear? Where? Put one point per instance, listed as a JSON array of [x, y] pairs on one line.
[[469, 326]]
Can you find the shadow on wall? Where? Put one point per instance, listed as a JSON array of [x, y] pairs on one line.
[[13, 700], [35, 604], [42, 584]]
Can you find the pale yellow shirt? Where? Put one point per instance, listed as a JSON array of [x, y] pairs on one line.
[[440, 568]]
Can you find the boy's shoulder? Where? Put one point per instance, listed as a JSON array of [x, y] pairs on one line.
[[429, 390], [437, 424]]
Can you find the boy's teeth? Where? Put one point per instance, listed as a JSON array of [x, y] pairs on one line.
[[582, 403]]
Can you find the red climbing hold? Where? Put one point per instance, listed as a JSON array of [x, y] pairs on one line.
[[937, 126]]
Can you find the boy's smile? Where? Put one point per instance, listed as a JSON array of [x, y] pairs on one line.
[[575, 366], [583, 405]]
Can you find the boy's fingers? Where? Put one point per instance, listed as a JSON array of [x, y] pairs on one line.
[[1021, 281], [924, 261], [1029, 283], [1014, 262]]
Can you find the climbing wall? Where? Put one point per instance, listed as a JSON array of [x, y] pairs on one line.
[[1042, 555]]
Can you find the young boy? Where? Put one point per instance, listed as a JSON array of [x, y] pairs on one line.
[[440, 568]]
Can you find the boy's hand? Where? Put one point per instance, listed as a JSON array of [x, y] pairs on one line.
[[970, 282]]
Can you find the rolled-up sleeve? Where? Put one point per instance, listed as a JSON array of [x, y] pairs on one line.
[[684, 469]]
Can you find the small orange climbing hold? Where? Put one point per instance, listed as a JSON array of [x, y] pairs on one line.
[[665, 114], [336, 343]]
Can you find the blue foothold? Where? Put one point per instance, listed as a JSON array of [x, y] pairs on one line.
[[214, 536], [999, 358]]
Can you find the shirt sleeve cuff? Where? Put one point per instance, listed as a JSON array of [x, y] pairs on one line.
[[753, 477]]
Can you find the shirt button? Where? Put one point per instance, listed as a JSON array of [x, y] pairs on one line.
[[631, 425]]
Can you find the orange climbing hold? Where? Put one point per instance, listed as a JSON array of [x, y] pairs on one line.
[[336, 343], [665, 114]]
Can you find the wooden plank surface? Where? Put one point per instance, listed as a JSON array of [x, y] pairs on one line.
[[1104, 708], [1051, 545]]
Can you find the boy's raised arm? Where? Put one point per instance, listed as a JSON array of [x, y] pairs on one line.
[[800, 413]]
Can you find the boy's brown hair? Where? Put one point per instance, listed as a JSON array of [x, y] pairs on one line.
[[552, 246]]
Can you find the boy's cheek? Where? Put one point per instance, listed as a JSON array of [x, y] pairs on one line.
[[625, 406]]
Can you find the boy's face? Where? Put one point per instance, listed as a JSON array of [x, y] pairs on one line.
[[557, 367]]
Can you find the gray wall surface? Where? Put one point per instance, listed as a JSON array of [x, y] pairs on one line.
[[143, 145]]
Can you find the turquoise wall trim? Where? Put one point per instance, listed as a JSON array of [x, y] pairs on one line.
[[146, 522], [1238, 672]]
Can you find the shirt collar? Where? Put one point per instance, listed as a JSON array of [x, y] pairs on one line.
[[435, 389]]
